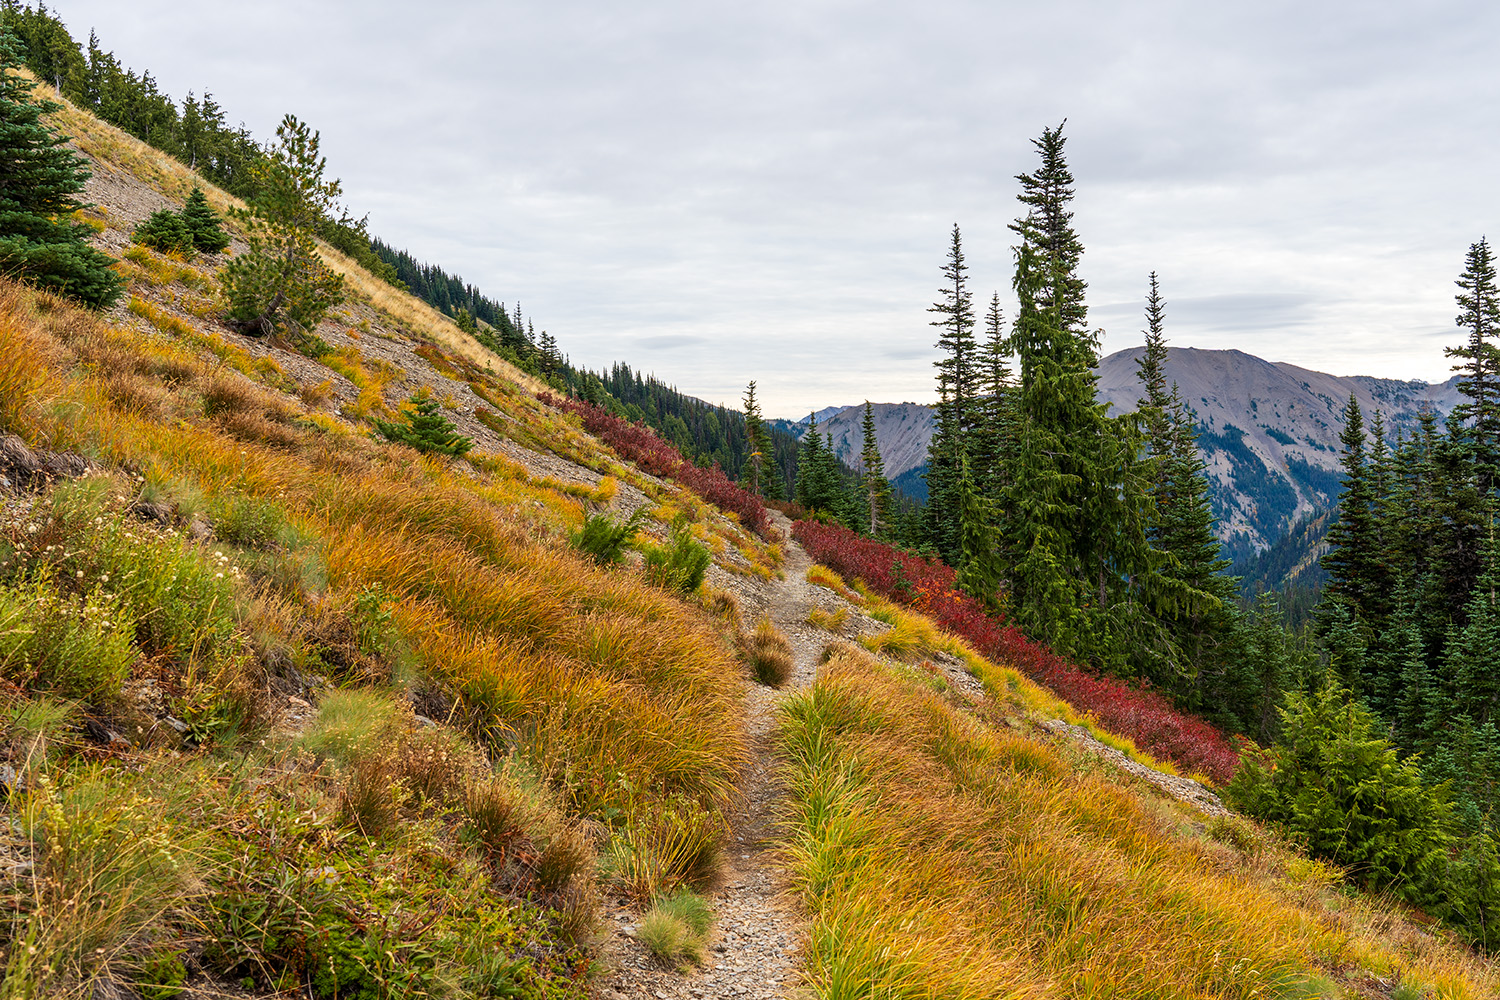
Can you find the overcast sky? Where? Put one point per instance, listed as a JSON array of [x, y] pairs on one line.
[[718, 192]]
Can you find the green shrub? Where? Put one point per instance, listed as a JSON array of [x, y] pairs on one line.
[[1347, 796], [78, 646], [678, 565], [426, 430], [605, 539], [164, 230]]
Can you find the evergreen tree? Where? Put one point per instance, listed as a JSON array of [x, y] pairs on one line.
[[280, 282], [1479, 315], [1151, 369], [755, 433], [877, 488], [979, 571], [994, 433], [958, 376], [1077, 504], [426, 429], [40, 180], [164, 230], [204, 223]]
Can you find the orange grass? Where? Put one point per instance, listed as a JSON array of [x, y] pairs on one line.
[[939, 857]]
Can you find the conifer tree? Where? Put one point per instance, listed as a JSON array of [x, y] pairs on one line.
[[164, 230], [994, 433], [1152, 371], [40, 180], [426, 429], [979, 571], [957, 383], [755, 438], [1076, 508], [280, 282], [204, 223], [1479, 315], [877, 488]]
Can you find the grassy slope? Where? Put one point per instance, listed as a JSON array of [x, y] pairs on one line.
[[943, 848], [939, 848], [580, 710]]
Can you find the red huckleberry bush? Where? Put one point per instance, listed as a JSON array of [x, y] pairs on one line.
[[1144, 717], [639, 444]]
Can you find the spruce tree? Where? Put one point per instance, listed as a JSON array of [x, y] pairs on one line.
[[280, 283], [1077, 504], [204, 223], [1479, 315], [877, 488], [994, 434], [164, 230], [40, 180], [755, 439], [426, 429], [958, 376]]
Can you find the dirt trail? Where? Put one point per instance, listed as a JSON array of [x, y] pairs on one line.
[[755, 945]]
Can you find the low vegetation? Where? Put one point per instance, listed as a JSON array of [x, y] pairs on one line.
[[942, 855], [1144, 717]]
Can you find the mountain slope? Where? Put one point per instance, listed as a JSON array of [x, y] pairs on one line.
[[1268, 432]]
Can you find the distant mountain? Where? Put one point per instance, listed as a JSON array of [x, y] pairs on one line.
[[1268, 432]]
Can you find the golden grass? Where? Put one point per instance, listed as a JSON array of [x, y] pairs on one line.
[[939, 857]]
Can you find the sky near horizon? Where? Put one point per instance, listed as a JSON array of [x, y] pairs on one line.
[[717, 193]]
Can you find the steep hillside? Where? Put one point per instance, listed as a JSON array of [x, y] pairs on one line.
[[288, 709]]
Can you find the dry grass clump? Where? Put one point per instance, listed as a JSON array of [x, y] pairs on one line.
[[768, 654], [829, 621], [675, 929], [940, 857]]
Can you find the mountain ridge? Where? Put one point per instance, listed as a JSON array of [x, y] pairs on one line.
[[1268, 430]]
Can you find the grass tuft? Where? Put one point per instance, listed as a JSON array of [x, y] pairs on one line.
[[768, 654]]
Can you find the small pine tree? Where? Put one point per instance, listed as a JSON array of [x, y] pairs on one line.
[[755, 442], [426, 430], [164, 230], [40, 181], [465, 321], [280, 282], [204, 223]]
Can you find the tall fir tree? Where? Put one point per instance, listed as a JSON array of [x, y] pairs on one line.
[[877, 489], [1075, 512], [994, 433], [1479, 365], [958, 376], [40, 181]]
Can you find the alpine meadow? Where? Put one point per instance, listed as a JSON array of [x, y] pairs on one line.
[[356, 642]]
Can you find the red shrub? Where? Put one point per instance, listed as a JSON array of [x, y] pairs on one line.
[[1144, 717], [639, 444]]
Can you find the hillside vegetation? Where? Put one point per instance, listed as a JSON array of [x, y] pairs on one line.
[[291, 709]]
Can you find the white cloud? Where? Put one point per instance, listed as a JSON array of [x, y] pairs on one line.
[[717, 193]]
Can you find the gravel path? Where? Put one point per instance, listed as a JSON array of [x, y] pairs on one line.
[[755, 945]]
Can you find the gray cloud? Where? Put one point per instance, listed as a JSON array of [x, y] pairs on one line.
[[717, 193]]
